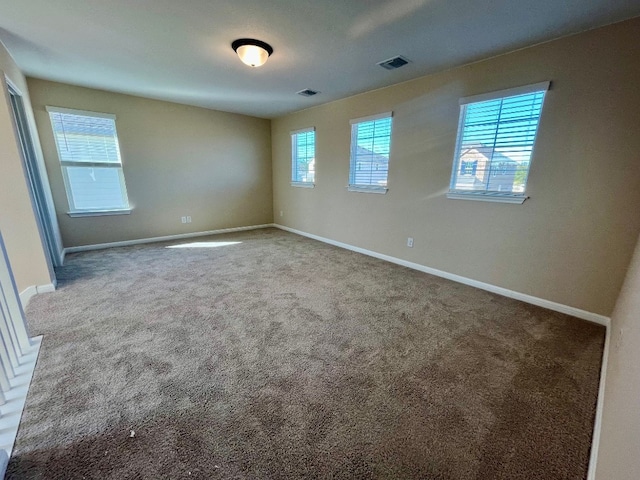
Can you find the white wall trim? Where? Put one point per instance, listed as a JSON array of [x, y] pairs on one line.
[[180, 236], [26, 295], [100, 213], [509, 92], [29, 292], [33, 290], [48, 288], [16, 399], [487, 197], [597, 426], [367, 189], [303, 184], [540, 302]]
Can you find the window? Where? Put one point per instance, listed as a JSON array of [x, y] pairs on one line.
[[303, 157], [370, 147], [89, 154], [496, 136]]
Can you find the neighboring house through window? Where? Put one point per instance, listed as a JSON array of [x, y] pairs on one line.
[[89, 154], [370, 148], [468, 167], [496, 137], [303, 157]]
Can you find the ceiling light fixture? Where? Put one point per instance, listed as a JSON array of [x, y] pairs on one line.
[[252, 52]]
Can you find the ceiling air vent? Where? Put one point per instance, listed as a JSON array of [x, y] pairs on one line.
[[393, 63], [307, 92]]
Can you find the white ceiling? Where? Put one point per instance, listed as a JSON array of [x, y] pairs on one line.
[[180, 51]]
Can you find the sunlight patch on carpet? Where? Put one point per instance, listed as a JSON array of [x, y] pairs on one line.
[[203, 244]]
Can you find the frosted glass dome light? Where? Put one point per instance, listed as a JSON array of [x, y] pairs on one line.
[[252, 52]]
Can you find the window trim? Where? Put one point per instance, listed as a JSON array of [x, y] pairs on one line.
[[507, 92], [80, 212], [85, 113], [371, 118], [294, 159], [100, 213], [367, 189], [303, 184], [488, 197], [364, 188], [484, 196]]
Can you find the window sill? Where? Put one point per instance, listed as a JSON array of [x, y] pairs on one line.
[[367, 189], [303, 184], [488, 197], [99, 213]]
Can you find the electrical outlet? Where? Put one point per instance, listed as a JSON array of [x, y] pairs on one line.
[[184, 219], [188, 218], [281, 213], [410, 242]]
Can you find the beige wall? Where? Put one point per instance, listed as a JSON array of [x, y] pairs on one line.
[[17, 220], [177, 160], [569, 243], [620, 435]]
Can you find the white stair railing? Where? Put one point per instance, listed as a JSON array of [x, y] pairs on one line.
[[18, 355]]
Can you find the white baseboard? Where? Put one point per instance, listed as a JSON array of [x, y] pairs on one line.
[[541, 302], [48, 288], [166, 238], [33, 290], [11, 411], [26, 295], [29, 292], [597, 426]]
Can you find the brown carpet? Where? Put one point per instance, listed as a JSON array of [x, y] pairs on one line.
[[282, 357]]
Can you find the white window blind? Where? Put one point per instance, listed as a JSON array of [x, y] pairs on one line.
[[89, 154], [303, 156], [496, 137], [370, 148]]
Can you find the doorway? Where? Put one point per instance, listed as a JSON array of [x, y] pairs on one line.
[[34, 182]]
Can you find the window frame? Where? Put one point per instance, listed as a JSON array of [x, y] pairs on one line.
[[366, 188], [294, 157], [65, 164], [484, 195]]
